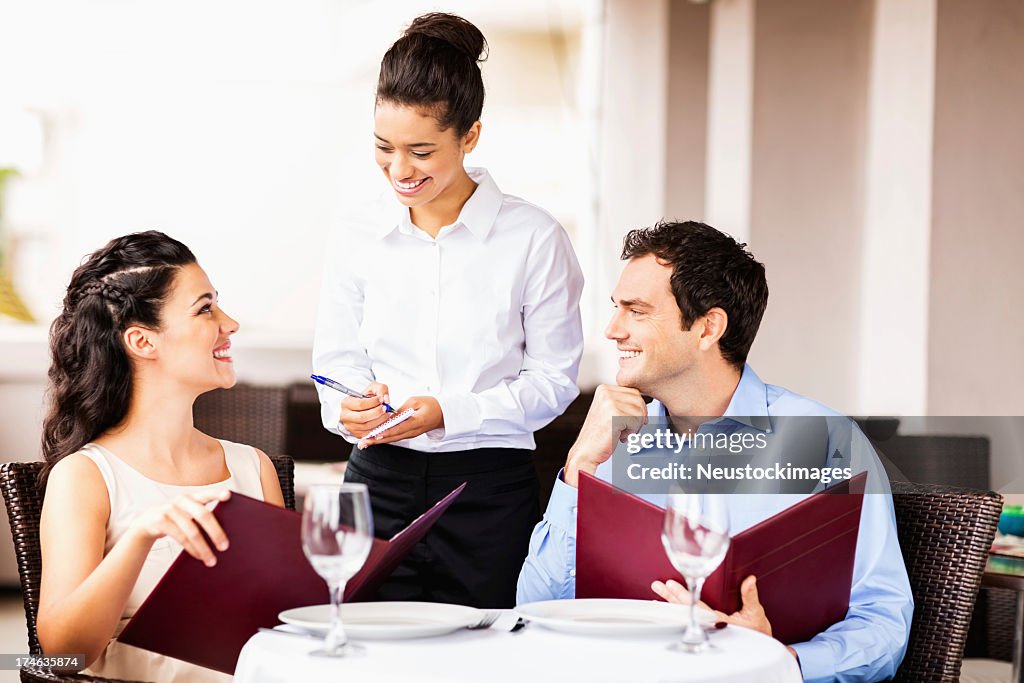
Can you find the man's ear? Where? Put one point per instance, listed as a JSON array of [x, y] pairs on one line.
[[140, 343], [715, 323]]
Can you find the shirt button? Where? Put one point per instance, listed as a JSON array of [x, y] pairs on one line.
[[572, 573]]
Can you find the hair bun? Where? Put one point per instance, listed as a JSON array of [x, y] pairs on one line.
[[453, 29]]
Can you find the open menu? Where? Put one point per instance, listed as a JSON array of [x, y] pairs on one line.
[[205, 615], [802, 557]]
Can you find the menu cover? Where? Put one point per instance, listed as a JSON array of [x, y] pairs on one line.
[[205, 615], [802, 556]]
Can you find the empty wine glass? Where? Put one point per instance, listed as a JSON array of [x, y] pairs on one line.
[[696, 537], [337, 534]]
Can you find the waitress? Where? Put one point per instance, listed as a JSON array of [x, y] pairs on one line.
[[460, 303]]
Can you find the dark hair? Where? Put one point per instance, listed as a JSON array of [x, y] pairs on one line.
[[125, 283], [434, 65], [709, 269]]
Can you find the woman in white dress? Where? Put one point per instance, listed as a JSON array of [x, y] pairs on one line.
[[128, 477]]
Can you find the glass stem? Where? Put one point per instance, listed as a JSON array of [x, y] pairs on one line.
[[336, 637], [695, 586]]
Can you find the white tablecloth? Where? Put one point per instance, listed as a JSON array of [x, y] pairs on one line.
[[531, 655]]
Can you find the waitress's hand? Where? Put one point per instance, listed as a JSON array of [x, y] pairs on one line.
[[360, 415], [428, 416]]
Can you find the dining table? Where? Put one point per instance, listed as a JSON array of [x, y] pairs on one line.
[[527, 655], [1008, 572]]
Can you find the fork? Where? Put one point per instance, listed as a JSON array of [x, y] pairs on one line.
[[488, 619]]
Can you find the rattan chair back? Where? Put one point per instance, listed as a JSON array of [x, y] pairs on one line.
[[948, 460], [245, 413], [945, 534]]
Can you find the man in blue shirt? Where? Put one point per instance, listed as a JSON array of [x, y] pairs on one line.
[[687, 308]]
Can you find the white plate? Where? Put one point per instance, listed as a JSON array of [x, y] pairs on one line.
[[605, 617], [386, 620]]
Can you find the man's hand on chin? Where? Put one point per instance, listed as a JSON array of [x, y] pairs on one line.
[[596, 440]]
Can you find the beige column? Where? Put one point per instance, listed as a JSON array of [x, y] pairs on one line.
[[686, 161], [729, 117], [975, 325], [897, 221], [809, 108], [631, 144]]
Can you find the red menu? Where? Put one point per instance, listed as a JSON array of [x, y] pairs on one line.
[[205, 615], [802, 557]]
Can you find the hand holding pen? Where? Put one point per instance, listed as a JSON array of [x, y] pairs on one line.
[[338, 386], [360, 413]]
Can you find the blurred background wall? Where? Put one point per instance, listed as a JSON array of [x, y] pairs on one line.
[[869, 151]]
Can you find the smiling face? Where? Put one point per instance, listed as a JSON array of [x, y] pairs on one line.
[[421, 162], [655, 351], [193, 343]]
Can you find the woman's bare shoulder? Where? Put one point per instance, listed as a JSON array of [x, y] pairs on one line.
[[77, 479]]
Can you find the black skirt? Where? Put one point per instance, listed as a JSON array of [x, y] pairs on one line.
[[474, 552]]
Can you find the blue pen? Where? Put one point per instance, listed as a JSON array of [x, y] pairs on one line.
[[338, 386]]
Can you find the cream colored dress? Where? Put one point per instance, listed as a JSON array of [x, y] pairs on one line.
[[130, 494]]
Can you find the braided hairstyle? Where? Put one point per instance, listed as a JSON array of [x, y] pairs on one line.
[[123, 284]]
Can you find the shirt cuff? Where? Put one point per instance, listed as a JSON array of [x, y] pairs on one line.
[[817, 661], [561, 510], [461, 416], [330, 415]]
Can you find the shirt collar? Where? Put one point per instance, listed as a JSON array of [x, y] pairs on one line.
[[478, 214], [748, 405]]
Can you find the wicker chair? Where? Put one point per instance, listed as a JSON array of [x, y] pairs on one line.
[[19, 485], [254, 415], [945, 534], [949, 460]]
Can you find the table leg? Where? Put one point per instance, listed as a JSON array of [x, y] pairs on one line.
[[1018, 640]]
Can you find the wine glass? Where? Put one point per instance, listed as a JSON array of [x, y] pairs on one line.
[[695, 536], [337, 534]]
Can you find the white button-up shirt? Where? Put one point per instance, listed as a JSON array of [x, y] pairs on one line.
[[485, 318]]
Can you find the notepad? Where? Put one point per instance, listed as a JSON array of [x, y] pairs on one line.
[[380, 429]]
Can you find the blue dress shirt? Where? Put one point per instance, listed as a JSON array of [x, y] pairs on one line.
[[869, 644]]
